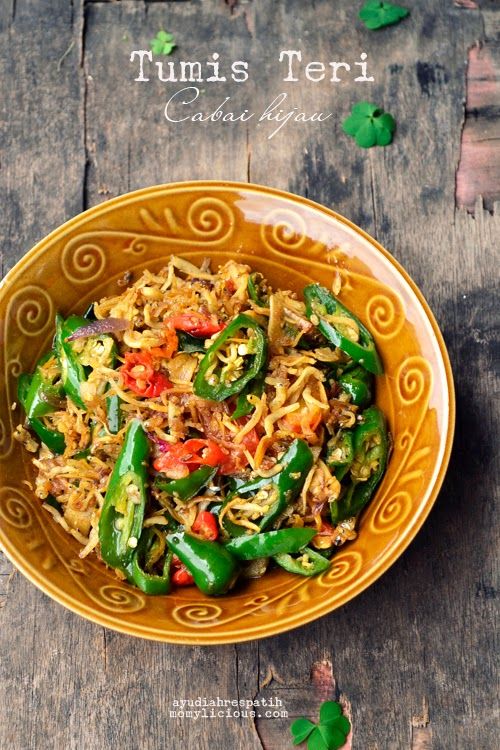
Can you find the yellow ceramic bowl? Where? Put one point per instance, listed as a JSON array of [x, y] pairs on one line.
[[292, 241]]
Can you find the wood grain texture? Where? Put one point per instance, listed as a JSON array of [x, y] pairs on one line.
[[41, 134], [412, 657]]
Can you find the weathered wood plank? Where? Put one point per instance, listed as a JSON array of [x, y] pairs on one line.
[[41, 121], [130, 144], [41, 177], [423, 633]]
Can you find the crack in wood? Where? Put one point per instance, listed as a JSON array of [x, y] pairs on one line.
[[421, 731], [104, 649], [85, 86], [258, 688], [249, 153], [372, 191]]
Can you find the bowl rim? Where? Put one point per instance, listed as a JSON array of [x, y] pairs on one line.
[[389, 557]]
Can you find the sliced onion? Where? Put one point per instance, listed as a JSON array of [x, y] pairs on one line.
[[98, 327], [163, 445]]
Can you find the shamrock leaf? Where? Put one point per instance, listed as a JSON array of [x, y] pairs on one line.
[[163, 43], [369, 125], [333, 737], [316, 741], [329, 734], [376, 14], [329, 711], [301, 729]]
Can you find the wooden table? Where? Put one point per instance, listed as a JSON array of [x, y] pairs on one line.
[[412, 657]]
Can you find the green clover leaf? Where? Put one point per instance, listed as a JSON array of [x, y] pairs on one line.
[[301, 729], [163, 43], [329, 711], [332, 736], [376, 14], [369, 125], [329, 734], [316, 741]]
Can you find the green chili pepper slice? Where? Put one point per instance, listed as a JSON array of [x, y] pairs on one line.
[[72, 371], [44, 396], [282, 488], [309, 562], [122, 514], [113, 403], [358, 383], [340, 453], [254, 388], [270, 543], [320, 303], [53, 439], [137, 573], [371, 449], [253, 289], [213, 568], [185, 489], [114, 413], [213, 386]]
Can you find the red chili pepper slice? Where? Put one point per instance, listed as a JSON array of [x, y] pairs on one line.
[[206, 525], [251, 441], [139, 375], [181, 457], [181, 577], [196, 324], [236, 459]]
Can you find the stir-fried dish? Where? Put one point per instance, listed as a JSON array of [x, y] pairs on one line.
[[202, 426]]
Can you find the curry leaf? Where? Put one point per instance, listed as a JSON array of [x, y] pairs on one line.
[[369, 125], [376, 14], [163, 43]]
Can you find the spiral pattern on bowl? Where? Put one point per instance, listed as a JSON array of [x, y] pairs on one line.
[[210, 219], [198, 614], [414, 379], [385, 315], [14, 508], [122, 599], [83, 263], [391, 513], [344, 567], [283, 231]]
